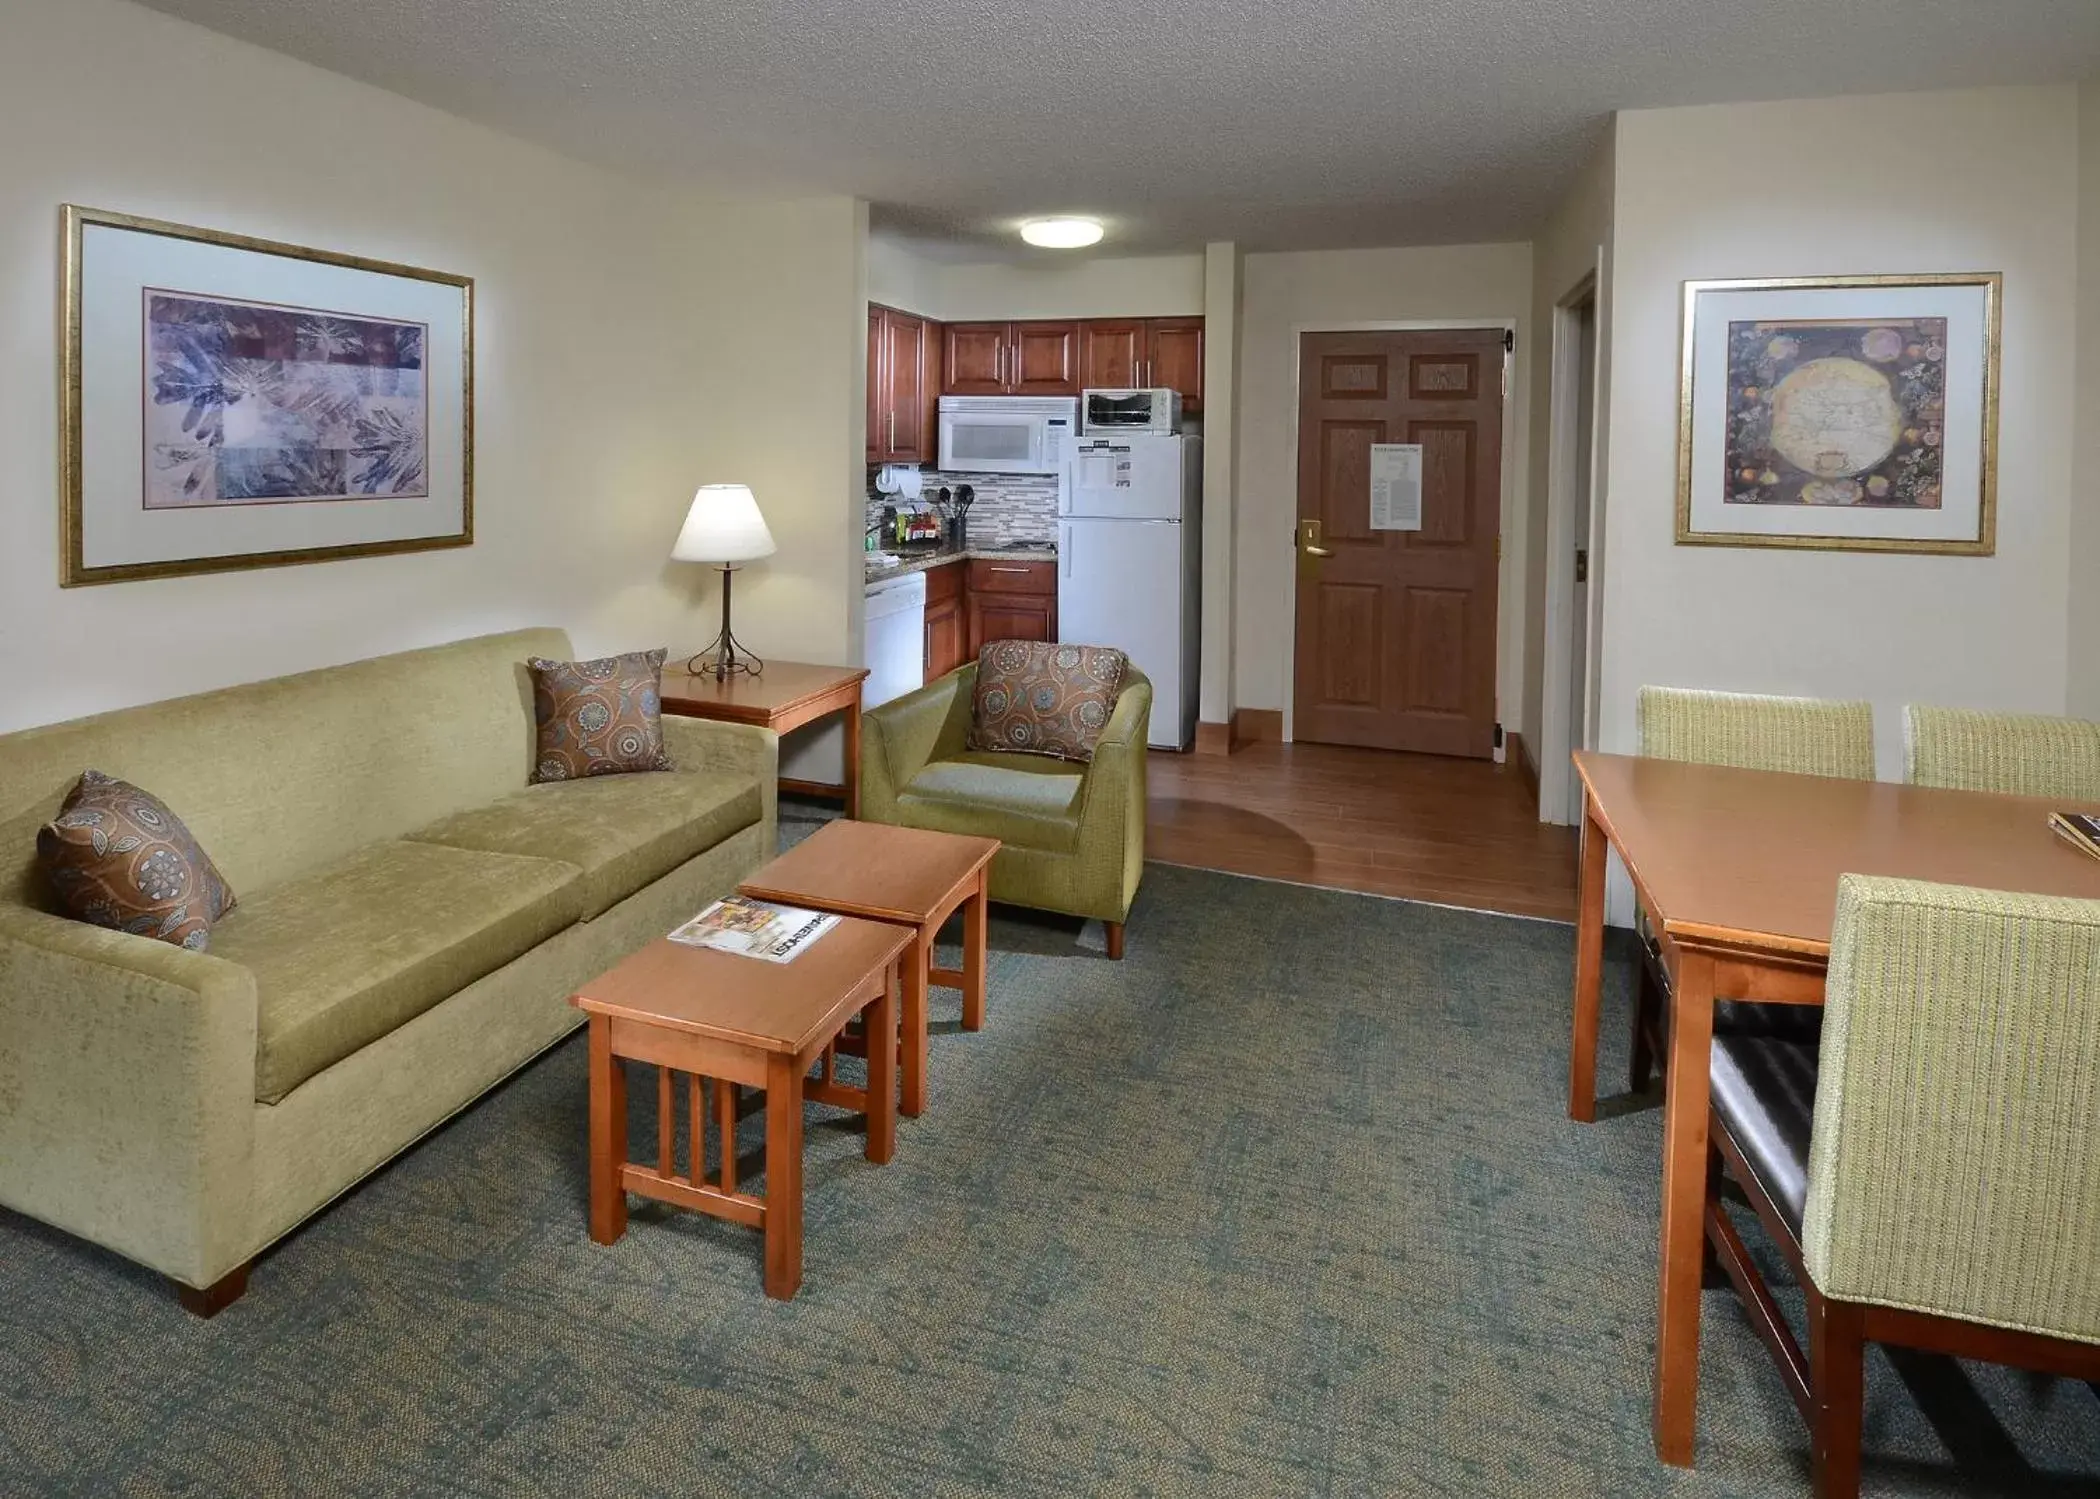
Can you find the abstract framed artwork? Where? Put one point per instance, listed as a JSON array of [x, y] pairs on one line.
[[1853, 413], [231, 402]]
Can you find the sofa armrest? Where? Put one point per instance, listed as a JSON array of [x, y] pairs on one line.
[[127, 1092], [730, 749], [905, 735]]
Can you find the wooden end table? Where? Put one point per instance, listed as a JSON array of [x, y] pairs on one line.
[[908, 877], [783, 697], [742, 1022]]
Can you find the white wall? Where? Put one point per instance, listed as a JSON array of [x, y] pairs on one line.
[[2083, 696], [1286, 294], [1082, 285], [622, 335], [1574, 244], [1953, 181], [1221, 329]]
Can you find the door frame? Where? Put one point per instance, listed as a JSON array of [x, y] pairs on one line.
[[1559, 737], [1508, 485]]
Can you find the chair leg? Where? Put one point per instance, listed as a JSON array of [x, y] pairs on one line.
[[217, 1296], [1115, 939], [1837, 1353], [1647, 1023]]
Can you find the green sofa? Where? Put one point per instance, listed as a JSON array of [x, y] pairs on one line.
[[1072, 837], [412, 917]]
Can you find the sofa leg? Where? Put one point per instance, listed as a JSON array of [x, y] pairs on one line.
[[216, 1297], [1115, 939]]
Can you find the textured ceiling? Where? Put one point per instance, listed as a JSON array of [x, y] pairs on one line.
[[1320, 123]]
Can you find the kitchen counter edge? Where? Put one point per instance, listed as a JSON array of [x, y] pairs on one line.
[[877, 574]]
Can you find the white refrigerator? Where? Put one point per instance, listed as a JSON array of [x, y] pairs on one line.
[[1130, 564]]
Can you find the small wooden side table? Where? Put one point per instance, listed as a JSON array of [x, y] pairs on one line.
[[783, 697], [906, 876], [742, 1022]]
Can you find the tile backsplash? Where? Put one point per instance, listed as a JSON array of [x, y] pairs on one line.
[[1009, 507]]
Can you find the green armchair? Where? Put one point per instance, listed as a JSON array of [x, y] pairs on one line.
[[1072, 837]]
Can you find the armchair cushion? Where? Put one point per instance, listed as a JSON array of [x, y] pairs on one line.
[[1038, 698], [1030, 801]]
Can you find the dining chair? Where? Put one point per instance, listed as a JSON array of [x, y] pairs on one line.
[[2020, 754], [1926, 1172], [1749, 731]]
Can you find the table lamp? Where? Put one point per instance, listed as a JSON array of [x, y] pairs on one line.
[[724, 528]]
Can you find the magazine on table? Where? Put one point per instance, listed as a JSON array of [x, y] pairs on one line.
[[755, 929], [2079, 829]]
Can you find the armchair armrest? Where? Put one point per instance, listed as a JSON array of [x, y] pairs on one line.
[[730, 749], [127, 1092], [1112, 805], [903, 736]]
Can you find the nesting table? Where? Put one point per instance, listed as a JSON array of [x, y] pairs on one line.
[[739, 1022], [908, 878]]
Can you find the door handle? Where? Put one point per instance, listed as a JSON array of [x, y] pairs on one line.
[[1307, 538]]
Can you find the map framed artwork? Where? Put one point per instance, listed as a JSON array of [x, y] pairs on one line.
[[1853, 413], [230, 402]]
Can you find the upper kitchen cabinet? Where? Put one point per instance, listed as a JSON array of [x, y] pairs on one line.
[[1011, 359], [1144, 354], [903, 377]]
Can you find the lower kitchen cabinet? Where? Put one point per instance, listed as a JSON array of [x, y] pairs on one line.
[[1010, 601], [947, 627]]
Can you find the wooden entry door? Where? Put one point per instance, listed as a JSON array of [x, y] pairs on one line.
[[1396, 629]]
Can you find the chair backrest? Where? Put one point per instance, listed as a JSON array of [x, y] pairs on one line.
[[1952, 1167], [277, 778], [1805, 735], [2023, 754]]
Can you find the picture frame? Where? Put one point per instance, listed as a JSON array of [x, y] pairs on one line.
[[229, 402], [1840, 413]]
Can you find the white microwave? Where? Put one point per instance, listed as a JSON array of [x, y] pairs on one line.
[[1130, 411], [1007, 434]]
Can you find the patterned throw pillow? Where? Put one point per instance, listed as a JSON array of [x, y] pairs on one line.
[[115, 856], [1035, 698], [598, 718]]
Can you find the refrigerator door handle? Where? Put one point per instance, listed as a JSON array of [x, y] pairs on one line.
[[1064, 548]]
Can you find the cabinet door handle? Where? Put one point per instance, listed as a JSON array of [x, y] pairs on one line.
[[1006, 569], [893, 431]]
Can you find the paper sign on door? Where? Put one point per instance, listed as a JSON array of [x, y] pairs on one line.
[[1396, 486]]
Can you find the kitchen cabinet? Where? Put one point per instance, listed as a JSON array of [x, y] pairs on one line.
[[903, 376], [947, 629], [1144, 353], [1010, 601], [1010, 359]]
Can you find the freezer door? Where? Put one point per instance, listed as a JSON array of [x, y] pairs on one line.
[[1120, 583], [1126, 477]]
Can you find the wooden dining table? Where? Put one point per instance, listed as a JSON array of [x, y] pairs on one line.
[[1738, 871]]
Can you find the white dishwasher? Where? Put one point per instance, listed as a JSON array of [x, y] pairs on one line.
[[894, 642]]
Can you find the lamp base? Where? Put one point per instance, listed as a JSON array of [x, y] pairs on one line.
[[725, 656]]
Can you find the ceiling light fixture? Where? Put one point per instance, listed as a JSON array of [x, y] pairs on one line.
[[1062, 234]]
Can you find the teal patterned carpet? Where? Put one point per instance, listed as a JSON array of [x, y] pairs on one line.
[[1284, 1204]]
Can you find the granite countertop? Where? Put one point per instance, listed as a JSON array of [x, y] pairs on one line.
[[922, 561]]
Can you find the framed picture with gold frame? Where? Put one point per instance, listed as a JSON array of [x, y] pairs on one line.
[[1853, 413], [231, 402]]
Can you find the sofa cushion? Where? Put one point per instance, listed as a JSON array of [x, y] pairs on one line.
[[349, 953], [598, 718], [115, 856], [1040, 698], [621, 831], [1028, 800]]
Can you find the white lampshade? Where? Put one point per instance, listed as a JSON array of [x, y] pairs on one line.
[[723, 526]]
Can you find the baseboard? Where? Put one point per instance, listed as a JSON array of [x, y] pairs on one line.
[[1519, 755], [1213, 738], [1257, 726], [822, 790]]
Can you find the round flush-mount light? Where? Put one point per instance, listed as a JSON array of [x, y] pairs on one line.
[[1062, 234]]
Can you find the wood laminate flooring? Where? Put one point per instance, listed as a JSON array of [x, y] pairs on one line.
[[1424, 827]]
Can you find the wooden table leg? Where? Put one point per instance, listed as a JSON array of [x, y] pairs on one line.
[[882, 1056], [1683, 1208], [783, 1226], [853, 755], [915, 961], [1589, 970], [976, 939], [608, 1135]]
